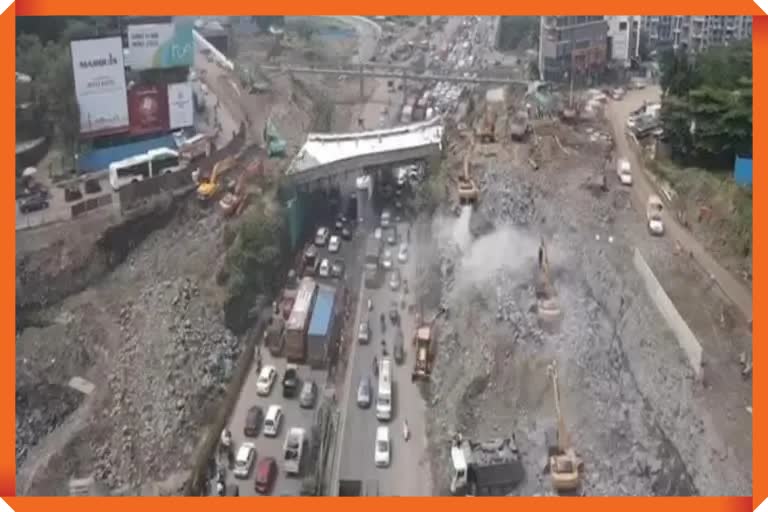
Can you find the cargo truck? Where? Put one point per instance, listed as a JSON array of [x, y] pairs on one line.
[[298, 321], [322, 326], [373, 263]]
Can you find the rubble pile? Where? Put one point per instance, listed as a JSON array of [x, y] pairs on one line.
[[187, 359], [619, 363]]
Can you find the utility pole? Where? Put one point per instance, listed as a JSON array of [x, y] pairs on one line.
[[362, 83]]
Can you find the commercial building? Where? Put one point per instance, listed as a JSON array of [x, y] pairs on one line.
[[695, 33], [572, 47]]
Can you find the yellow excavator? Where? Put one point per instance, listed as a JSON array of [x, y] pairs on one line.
[[467, 189], [208, 186], [564, 465]]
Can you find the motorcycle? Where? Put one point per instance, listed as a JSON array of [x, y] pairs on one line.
[[406, 431], [370, 305]]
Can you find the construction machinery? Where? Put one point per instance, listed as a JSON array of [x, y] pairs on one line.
[[487, 131], [520, 127], [425, 354], [276, 145], [564, 465], [491, 468], [234, 202], [208, 186], [467, 188], [547, 301]]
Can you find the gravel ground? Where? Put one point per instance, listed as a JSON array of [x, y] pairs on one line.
[[636, 415]]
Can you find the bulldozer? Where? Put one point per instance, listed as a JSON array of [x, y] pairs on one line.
[[565, 466], [547, 301], [208, 186], [468, 191], [487, 131], [423, 342]]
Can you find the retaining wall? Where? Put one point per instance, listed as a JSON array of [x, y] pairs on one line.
[[685, 337]]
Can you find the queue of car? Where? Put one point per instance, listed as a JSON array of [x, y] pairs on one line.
[[270, 425]]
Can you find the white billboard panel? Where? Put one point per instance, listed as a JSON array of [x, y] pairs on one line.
[[160, 45], [181, 111], [100, 84]]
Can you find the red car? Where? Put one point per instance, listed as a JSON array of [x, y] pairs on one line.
[[266, 473]]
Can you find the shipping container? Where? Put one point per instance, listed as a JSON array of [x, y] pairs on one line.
[[321, 327], [296, 327]]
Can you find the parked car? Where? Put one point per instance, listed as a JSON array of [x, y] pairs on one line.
[[321, 237], [290, 381], [273, 421], [391, 236], [266, 474], [244, 459], [386, 259], [335, 244], [266, 380], [386, 218], [346, 233], [34, 203], [364, 392], [308, 395], [253, 421], [377, 233], [382, 453], [624, 171]]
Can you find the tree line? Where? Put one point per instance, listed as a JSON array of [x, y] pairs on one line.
[[707, 105]]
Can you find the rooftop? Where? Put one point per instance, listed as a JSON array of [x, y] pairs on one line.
[[322, 149]]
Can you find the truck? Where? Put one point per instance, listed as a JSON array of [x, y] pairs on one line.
[[298, 321], [490, 468], [293, 449], [372, 262], [322, 327]]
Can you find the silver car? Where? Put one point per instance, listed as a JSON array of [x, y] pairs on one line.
[[364, 393], [394, 280]]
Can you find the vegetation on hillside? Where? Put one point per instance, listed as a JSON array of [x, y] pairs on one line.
[[707, 107]]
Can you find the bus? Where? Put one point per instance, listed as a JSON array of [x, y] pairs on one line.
[[144, 166], [384, 395]]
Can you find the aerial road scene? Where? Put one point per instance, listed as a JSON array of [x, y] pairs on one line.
[[384, 256]]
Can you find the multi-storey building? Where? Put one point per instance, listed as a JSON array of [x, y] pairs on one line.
[[572, 47], [623, 40], [695, 33]]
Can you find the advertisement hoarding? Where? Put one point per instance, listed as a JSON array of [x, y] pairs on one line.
[[148, 107], [100, 85], [160, 45], [181, 109]]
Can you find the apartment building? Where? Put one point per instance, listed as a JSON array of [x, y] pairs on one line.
[[572, 46], [623, 40], [695, 33]]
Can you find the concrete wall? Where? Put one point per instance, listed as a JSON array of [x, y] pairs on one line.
[[677, 324]]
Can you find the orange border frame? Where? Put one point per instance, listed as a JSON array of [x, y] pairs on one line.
[[457, 7]]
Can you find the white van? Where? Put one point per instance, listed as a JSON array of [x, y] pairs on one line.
[[272, 421], [384, 395]]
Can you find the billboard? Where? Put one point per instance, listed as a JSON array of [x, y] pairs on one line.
[[181, 107], [160, 45], [148, 107], [100, 85]]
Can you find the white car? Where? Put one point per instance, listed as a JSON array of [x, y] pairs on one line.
[[386, 217], [382, 453], [402, 253], [377, 233], [244, 459], [624, 171], [386, 259], [266, 380], [325, 268], [334, 244], [321, 237], [272, 421]]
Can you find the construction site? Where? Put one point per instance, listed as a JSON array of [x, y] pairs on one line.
[[547, 347]]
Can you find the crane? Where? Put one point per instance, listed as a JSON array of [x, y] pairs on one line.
[[564, 464]]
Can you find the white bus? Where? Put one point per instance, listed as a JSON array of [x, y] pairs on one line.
[[384, 395], [145, 166]]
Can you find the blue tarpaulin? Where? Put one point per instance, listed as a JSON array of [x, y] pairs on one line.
[[742, 171], [99, 159]]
